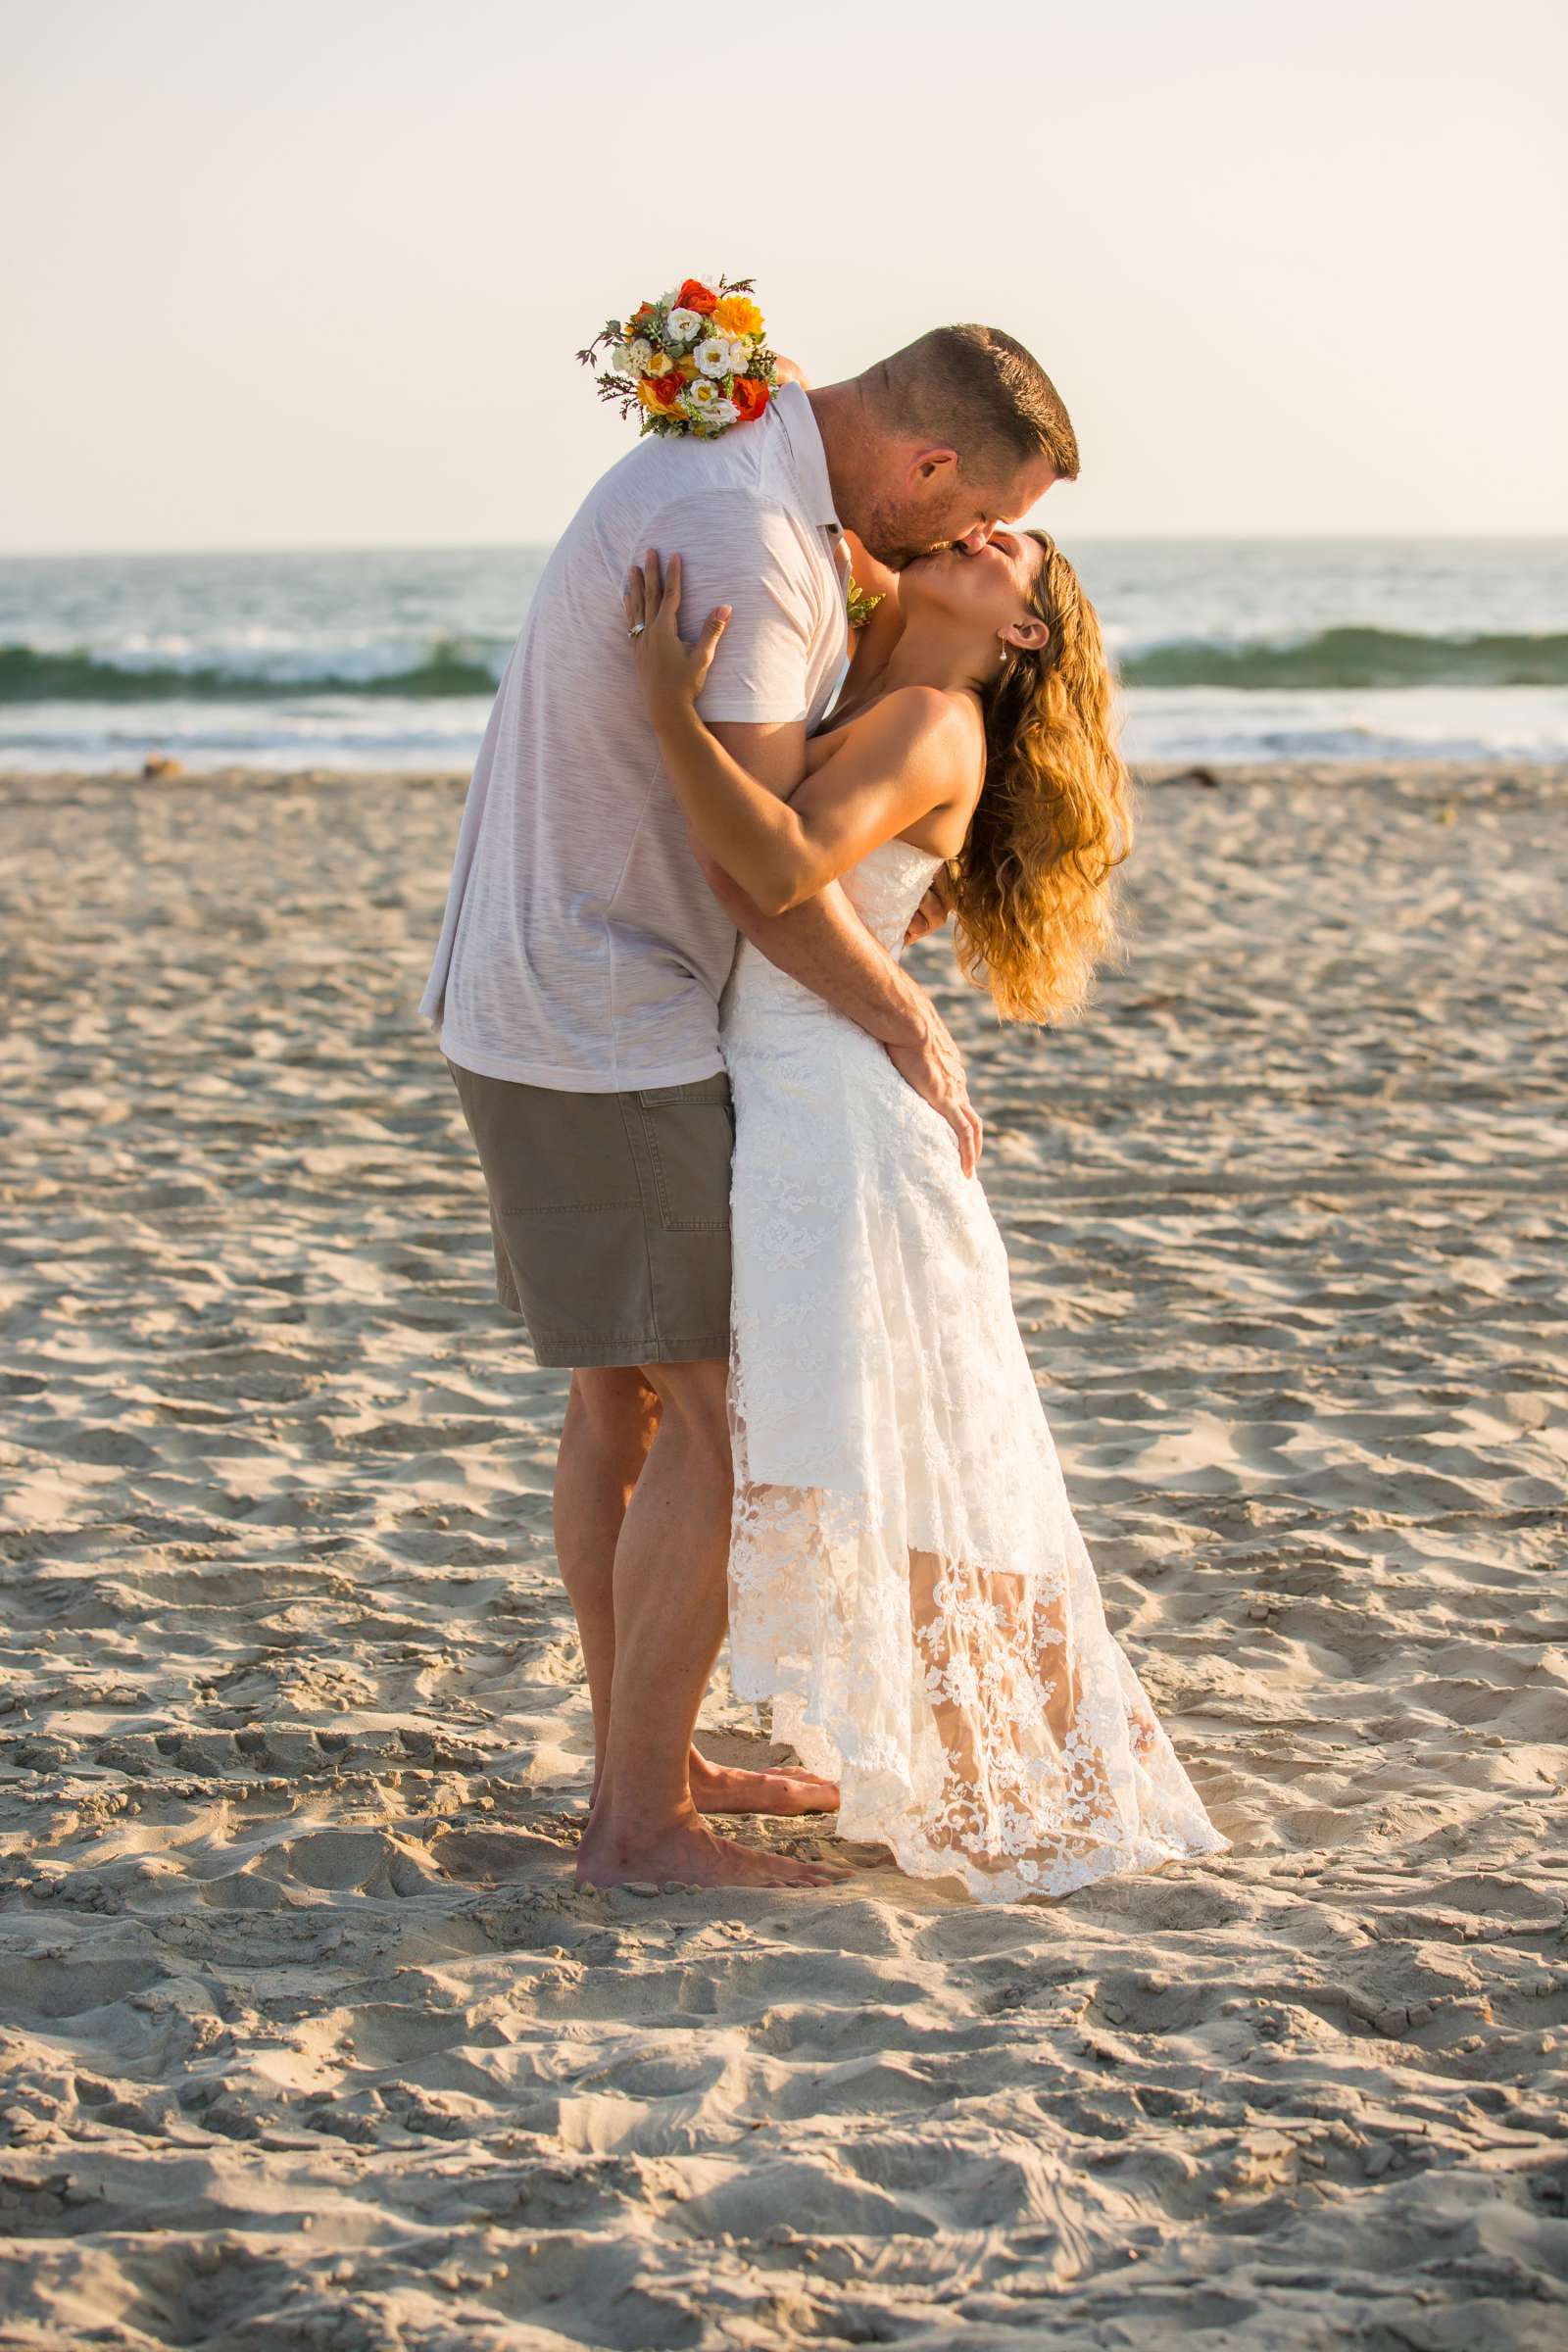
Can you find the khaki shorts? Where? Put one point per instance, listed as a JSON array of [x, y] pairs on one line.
[[610, 1215]]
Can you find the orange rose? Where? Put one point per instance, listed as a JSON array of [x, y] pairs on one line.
[[695, 296], [751, 396], [660, 392]]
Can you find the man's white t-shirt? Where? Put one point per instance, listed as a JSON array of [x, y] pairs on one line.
[[581, 947]]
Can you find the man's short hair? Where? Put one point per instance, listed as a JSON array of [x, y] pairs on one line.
[[979, 390]]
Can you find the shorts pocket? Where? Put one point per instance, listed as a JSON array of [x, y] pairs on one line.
[[688, 1133]]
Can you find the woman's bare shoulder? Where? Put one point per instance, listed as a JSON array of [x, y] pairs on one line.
[[930, 737], [939, 722]]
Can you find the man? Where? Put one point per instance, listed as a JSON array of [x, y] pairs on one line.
[[576, 988]]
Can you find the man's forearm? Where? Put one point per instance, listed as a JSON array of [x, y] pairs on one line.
[[827, 948]]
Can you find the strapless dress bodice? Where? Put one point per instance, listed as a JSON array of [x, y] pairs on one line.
[[884, 889]]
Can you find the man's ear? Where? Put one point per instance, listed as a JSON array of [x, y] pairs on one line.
[[1031, 636], [927, 464]]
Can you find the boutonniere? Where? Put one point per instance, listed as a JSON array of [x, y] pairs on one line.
[[858, 604]]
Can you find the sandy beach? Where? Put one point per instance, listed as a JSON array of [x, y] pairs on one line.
[[308, 2039]]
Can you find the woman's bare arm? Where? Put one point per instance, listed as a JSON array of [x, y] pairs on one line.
[[913, 753]]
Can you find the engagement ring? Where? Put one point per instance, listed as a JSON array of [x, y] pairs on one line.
[[638, 630]]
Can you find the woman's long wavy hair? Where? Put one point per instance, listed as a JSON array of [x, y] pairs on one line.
[[1031, 888]]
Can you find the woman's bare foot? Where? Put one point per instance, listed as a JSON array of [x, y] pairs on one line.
[[728, 1788], [686, 1852]]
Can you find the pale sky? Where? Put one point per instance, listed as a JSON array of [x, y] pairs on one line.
[[310, 272]]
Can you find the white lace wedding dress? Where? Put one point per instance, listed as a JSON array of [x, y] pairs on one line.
[[908, 1583]]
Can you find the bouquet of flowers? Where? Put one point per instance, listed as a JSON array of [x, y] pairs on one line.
[[693, 362]]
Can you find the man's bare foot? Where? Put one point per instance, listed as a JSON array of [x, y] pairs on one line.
[[688, 1852], [727, 1788]]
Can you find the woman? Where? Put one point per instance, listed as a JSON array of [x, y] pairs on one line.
[[908, 1583]]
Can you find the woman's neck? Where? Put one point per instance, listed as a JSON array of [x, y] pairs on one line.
[[927, 654], [922, 654]]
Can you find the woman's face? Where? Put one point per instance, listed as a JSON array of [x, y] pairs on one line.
[[988, 593]]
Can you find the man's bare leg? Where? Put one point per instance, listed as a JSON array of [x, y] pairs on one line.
[[611, 1419], [669, 1611]]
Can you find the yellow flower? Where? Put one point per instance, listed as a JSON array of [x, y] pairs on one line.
[[687, 367], [738, 315], [658, 364]]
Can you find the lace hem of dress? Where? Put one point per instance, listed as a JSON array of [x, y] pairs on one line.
[[982, 1723]]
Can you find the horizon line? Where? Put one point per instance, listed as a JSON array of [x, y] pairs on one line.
[[1103, 538]]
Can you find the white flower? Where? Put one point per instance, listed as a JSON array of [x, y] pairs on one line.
[[685, 325], [700, 394], [620, 360], [719, 412], [740, 357], [713, 357], [639, 355]]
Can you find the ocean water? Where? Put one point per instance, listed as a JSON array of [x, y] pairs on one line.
[[1321, 650]]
